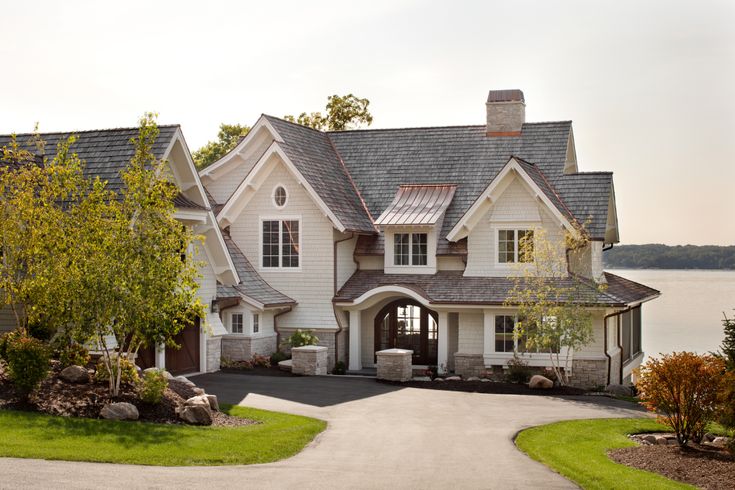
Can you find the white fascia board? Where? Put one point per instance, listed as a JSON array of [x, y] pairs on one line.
[[614, 225], [465, 224], [262, 122], [239, 199], [200, 216]]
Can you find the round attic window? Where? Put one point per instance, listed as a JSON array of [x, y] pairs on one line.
[[280, 196]]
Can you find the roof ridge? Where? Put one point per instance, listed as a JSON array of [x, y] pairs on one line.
[[553, 189], [90, 130], [427, 185], [457, 126], [591, 172], [294, 123]]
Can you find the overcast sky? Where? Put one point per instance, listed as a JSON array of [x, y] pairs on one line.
[[649, 85]]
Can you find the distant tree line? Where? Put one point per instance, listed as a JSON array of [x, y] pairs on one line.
[[658, 256]]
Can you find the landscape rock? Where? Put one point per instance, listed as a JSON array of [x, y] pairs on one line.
[[213, 403], [709, 437], [75, 374], [650, 438], [198, 391], [539, 382], [661, 440], [485, 380], [473, 378], [619, 390], [184, 380], [196, 411], [453, 378], [720, 441], [421, 378], [119, 411], [438, 379]]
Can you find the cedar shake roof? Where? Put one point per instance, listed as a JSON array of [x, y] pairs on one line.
[[251, 284], [106, 152], [314, 155], [452, 287], [417, 205], [182, 202]]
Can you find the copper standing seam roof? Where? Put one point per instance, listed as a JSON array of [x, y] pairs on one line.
[[418, 205]]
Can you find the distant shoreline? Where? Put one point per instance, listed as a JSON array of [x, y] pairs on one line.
[[693, 269], [657, 256]]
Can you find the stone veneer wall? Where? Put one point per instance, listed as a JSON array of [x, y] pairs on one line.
[[309, 360], [214, 353], [394, 364], [588, 373], [467, 365], [235, 348], [326, 339]]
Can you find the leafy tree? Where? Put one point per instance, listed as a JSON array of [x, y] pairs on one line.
[[684, 389], [342, 113], [227, 138], [550, 302], [728, 345]]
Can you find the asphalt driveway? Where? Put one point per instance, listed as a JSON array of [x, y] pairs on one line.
[[379, 436]]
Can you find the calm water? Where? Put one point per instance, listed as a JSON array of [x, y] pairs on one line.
[[688, 315]]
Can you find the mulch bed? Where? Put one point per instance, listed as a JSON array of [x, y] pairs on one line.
[[257, 371], [57, 397], [495, 387], [702, 466]]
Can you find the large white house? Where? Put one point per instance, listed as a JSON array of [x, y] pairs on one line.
[[408, 237]]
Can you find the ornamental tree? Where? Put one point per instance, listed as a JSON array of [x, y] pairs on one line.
[[227, 138], [342, 112], [551, 302]]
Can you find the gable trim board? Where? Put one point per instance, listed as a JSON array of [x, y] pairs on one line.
[[496, 188], [253, 181]]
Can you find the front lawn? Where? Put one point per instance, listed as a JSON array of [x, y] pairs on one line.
[[277, 436], [578, 450]]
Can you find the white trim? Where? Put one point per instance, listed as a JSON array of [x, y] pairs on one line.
[[390, 289], [463, 226], [280, 220], [261, 123], [273, 196], [515, 227], [200, 216], [236, 203]]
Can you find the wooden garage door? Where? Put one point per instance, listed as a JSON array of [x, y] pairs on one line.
[[186, 358]]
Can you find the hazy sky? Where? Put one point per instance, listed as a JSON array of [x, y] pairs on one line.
[[649, 85]]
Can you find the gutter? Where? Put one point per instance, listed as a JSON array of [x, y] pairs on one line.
[[340, 327], [617, 343]]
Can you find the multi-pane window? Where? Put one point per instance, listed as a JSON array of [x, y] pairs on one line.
[[236, 322], [508, 340], [515, 246], [504, 335], [410, 249], [281, 244], [279, 196], [256, 323]]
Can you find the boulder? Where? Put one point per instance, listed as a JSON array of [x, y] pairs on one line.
[[421, 378], [453, 378], [473, 378], [438, 379], [539, 382], [184, 380], [75, 374], [198, 391], [619, 390], [709, 437], [650, 438], [196, 411], [485, 380], [213, 403], [119, 411], [720, 441]]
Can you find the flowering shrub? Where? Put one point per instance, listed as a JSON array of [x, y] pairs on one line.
[[301, 338], [27, 359], [683, 389], [152, 386], [260, 361]]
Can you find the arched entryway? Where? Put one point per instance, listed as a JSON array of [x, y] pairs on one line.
[[406, 324]]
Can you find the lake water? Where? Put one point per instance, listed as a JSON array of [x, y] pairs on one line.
[[688, 315]]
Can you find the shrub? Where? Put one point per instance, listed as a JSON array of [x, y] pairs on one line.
[[301, 338], [226, 363], [129, 373], [74, 354], [261, 361], [339, 368], [432, 372], [152, 386], [27, 359], [277, 357], [683, 389], [518, 370]]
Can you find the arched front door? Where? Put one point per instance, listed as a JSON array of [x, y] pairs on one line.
[[405, 324]]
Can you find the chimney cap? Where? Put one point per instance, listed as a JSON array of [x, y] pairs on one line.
[[512, 95]]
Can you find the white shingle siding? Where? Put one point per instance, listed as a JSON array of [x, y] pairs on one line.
[[311, 285], [346, 265], [222, 188], [470, 334], [515, 204], [7, 319]]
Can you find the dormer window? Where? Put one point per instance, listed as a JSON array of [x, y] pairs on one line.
[[515, 246], [410, 249]]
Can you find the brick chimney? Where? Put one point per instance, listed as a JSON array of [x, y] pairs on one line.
[[506, 112]]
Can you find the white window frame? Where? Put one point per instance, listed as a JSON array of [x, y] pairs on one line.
[[280, 220], [273, 196], [410, 248], [515, 228], [242, 322], [255, 328]]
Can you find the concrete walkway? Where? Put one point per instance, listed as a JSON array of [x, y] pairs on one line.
[[378, 437]]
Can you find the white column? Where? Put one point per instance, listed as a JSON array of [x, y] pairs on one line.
[[488, 332], [442, 357], [355, 341], [161, 356]]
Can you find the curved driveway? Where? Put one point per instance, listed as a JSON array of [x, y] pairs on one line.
[[378, 437]]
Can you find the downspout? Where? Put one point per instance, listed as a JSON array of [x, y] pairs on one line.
[[334, 306], [275, 327]]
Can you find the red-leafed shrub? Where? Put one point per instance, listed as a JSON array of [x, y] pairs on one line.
[[27, 359], [683, 388]]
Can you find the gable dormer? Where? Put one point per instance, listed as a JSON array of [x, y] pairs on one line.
[[411, 226]]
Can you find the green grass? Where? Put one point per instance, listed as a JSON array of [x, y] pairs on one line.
[[578, 450], [277, 436]]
